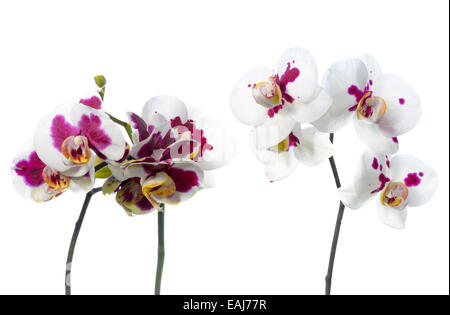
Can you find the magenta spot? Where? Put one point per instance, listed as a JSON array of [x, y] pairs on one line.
[[60, 130], [91, 127], [401, 101], [249, 85], [271, 113], [184, 180], [412, 180], [31, 170], [375, 164], [293, 140], [395, 139], [388, 163], [290, 75], [383, 181], [93, 101], [358, 94], [370, 82], [421, 174], [381, 167]]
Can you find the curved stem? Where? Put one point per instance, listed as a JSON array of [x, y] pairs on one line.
[[73, 242], [337, 228], [161, 252]]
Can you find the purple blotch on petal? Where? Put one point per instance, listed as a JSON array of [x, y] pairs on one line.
[[91, 128], [60, 130], [31, 170], [93, 101], [412, 180]]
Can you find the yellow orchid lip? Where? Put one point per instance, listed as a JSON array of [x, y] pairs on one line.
[[160, 185], [371, 107], [394, 195], [267, 93], [76, 149], [55, 180]]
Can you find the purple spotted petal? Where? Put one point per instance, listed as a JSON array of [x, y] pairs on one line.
[[31, 170], [60, 130], [93, 101], [91, 127], [184, 180], [139, 124]]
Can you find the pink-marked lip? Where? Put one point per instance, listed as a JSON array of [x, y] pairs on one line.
[[395, 195], [76, 149]]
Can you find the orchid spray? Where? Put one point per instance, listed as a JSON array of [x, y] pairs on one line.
[[167, 162], [383, 106]]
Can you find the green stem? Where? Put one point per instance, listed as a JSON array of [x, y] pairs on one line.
[[123, 124], [161, 252], [75, 234]]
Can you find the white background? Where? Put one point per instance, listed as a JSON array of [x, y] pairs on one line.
[[246, 236]]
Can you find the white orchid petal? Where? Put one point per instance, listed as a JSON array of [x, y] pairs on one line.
[[274, 130], [372, 173], [421, 180], [243, 103], [314, 148], [300, 70], [353, 199], [312, 111], [372, 66], [392, 217], [403, 109], [280, 165], [371, 136], [168, 106]]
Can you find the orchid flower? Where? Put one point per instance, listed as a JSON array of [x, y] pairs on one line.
[[68, 137], [276, 102], [34, 179], [383, 106], [394, 184]]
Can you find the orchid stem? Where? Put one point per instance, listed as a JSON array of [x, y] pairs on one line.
[[123, 124], [161, 252], [75, 234], [337, 228]]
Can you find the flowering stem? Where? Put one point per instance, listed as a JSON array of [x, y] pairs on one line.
[[123, 124], [337, 228], [73, 242], [161, 251]]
